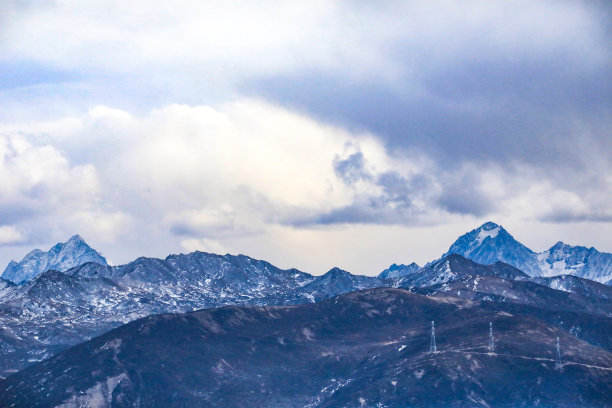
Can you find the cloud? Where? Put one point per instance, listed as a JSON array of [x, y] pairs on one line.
[[226, 177], [226, 124], [10, 235], [41, 191]]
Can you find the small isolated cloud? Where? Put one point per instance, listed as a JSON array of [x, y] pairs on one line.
[[10, 235]]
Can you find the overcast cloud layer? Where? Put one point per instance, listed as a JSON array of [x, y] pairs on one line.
[[310, 134]]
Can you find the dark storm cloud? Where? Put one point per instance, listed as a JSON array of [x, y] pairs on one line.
[[471, 112], [472, 95], [463, 195], [539, 105]]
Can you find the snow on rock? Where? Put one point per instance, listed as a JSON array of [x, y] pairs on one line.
[[61, 257], [487, 233], [98, 396], [490, 243]]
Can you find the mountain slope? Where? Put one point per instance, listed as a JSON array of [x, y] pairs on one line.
[[363, 349], [61, 257], [59, 309], [453, 267]]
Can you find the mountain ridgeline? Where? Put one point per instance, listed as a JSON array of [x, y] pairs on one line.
[[136, 334], [58, 309]]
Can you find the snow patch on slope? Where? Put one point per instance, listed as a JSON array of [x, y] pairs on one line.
[[98, 396], [484, 233]]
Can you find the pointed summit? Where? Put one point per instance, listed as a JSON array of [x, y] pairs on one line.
[[76, 239], [61, 257], [490, 243], [336, 273], [581, 261], [337, 281]]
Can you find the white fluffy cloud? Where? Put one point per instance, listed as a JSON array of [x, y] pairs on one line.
[[230, 170], [247, 177], [10, 235], [41, 191]]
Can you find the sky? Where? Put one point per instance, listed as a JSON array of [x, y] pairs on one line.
[[311, 134]]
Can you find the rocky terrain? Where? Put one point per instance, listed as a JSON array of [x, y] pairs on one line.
[[59, 309], [367, 348], [268, 334]]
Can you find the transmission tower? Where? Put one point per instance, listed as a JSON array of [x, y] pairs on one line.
[[558, 364], [432, 346], [491, 340]]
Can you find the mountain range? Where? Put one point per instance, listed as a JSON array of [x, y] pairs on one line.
[[58, 309], [111, 335]]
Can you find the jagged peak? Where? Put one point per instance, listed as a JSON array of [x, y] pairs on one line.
[[76, 238], [395, 267], [558, 245], [61, 256]]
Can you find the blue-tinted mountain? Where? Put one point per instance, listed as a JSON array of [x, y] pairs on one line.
[[363, 349], [397, 271], [491, 242], [576, 260], [61, 257]]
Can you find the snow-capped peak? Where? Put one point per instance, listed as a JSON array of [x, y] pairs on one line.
[[76, 239], [61, 257], [490, 243]]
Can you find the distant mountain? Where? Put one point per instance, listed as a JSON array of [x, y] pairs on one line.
[[363, 349], [397, 271], [60, 257], [576, 260], [59, 309], [574, 284], [336, 282], [491, 242], [453, 267]]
